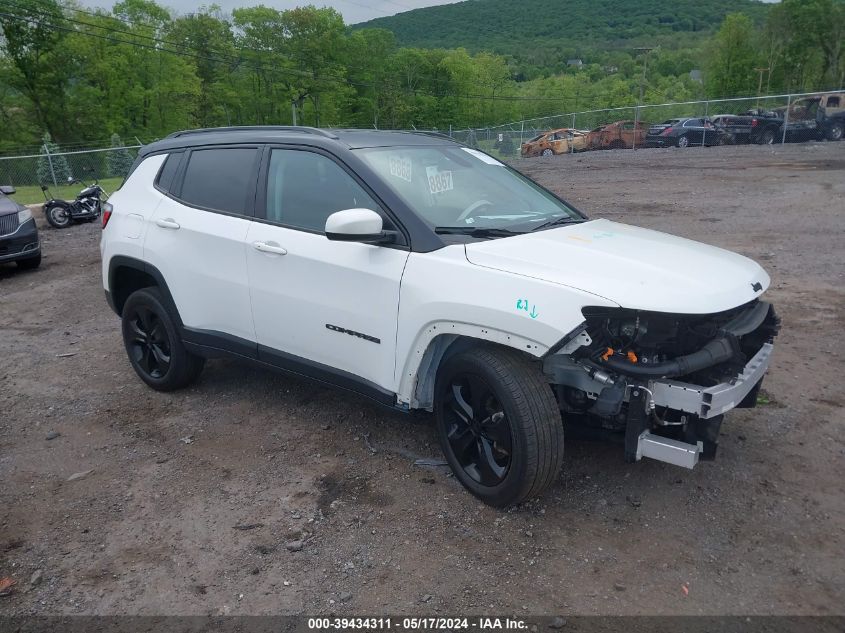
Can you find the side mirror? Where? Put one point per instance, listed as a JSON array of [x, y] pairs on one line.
[[7, 190], [358, 225]]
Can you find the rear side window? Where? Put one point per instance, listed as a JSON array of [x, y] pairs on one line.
[[221, 179], [168, 170]]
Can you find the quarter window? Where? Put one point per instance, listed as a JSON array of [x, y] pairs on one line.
[[168, 171], [304, 189], [221, 179]]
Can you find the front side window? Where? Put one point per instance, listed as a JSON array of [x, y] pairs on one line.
[[458, 187], [221, 179], [304, 189]]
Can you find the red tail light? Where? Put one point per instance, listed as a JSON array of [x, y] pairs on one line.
[[753, 122], [666, 132], [107, 209]]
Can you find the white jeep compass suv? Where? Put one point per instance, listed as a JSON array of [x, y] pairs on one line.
[[428, 275]]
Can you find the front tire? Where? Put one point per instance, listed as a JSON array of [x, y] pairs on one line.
[[57, 216], [683, 141], [153, 344], [548, 152], [499, 425], [835, 131]]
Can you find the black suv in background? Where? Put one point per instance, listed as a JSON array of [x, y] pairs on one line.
[[19, 240]]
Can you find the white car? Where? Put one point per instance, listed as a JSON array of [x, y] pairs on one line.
[[428, 275]]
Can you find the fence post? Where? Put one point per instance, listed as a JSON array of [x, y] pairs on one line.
[[704, 133], [636, 127], [786, 118], [450, 130], [521, 136], [50, 161]]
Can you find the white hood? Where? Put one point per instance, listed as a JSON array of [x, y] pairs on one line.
[[633, 267]]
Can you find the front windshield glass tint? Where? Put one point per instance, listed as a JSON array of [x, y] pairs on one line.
[[451, 186]]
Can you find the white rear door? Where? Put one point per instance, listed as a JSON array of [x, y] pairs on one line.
[[317, 304], [197, 240]]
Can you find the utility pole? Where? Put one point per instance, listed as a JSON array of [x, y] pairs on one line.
[[645, 50], [760, 83]]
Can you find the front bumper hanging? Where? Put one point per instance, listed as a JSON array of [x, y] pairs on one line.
[[708, 402]]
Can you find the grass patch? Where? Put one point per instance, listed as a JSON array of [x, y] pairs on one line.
[[31, 194]]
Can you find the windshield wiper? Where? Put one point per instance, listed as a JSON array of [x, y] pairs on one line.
[[475, 231], [557, 222]]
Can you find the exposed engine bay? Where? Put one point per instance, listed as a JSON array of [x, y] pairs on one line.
[[650, 378]]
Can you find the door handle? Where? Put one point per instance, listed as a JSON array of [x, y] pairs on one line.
[[266, 247], [167, 223]]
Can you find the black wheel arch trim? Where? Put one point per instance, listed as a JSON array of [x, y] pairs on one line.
[[122, 261]]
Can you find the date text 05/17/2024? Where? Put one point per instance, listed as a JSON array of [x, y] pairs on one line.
[[418, 624]]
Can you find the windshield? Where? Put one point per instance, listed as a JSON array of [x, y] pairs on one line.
[[451, 186]]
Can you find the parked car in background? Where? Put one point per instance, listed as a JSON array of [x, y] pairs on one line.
[[736, 128], [560, 141], [819, 116], [19, 240], [618, 135], [684, 132]]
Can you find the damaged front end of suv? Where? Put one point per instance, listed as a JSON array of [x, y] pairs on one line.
[[660, 382]]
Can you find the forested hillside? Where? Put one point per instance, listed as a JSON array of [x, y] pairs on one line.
[[141, 71], [543, 34]]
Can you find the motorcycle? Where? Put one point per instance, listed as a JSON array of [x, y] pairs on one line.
[[87, 206]]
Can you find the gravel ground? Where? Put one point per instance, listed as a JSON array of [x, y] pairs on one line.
[[257, 493]]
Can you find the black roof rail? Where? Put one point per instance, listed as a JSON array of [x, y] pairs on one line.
[[256, 128]]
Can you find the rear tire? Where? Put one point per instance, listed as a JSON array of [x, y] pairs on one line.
[[57, 216], [836, 131], [499, 425], [548, 152], [767, 137], [683, 141], [153, 344]]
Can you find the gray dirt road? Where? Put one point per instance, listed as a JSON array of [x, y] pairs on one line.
[[166, 525]]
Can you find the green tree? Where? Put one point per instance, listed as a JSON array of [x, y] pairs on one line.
[[733, 57], [52, 167], [118, 160]]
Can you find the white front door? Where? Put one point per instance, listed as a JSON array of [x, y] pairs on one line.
[[328, 306], [197, 240]]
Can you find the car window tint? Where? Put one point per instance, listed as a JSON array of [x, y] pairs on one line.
[[220, 179], [304, 189], [168, 171], [833, 102]]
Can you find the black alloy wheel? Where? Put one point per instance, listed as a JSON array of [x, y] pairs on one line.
[[149, 344], [498, 423], [150, 326], [478, 432]]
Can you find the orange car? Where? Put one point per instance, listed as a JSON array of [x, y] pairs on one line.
[[617, 135], [559, 141]]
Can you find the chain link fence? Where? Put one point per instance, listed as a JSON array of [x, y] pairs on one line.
[[788, 118], [62, 171], [779, 119]]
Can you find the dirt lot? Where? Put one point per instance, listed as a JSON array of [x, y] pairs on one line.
[[166, 525]]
